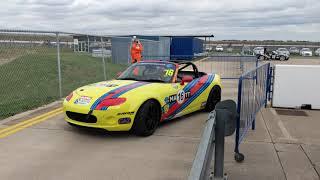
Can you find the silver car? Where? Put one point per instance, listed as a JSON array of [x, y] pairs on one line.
[[283, 51], [294, 50], [219, 48], [317, 52], [258, 50], [305, 52]]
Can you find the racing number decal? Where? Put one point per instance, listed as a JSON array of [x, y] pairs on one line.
[[169, 72], [180, 96]]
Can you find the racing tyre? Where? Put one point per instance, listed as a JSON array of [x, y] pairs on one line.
[[213, 98], [147, 118], [282, 58]]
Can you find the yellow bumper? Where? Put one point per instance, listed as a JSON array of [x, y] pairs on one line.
[[105, 119]]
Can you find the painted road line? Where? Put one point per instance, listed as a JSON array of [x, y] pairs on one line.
[[282, 127], [12, 129], [7, 133], [30, 120]]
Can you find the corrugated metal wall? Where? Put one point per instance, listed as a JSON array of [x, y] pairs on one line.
[[181, 48], [197, 45], [153, 50], [185, 47]]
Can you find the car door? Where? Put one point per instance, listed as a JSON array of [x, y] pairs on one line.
[[184, 97]]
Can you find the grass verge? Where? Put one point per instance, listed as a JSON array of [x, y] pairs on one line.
[[31, 79]]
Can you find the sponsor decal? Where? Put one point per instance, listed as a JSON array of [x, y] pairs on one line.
[[83, 100], [179, 97], [165, 108], [125, 113]]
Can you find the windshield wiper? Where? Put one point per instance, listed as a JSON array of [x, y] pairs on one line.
[[153, 80]]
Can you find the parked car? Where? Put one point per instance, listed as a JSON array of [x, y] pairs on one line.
[[258, 50], [280, 55], [305, 52], [208, 48], [317, 52], [283, 51], [219, 48], [294, 50]]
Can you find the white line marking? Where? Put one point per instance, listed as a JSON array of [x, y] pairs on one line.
[[282, 127]]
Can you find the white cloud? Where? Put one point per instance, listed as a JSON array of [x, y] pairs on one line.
[[228, 19]]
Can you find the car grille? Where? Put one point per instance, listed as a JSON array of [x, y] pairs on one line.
[[81, 117]]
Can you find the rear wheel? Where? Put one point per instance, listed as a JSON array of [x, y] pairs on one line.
[[282, 58], [213, 98], [147, 118]]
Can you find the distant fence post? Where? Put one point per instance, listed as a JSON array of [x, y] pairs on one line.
[[59, 64], [88, 43], [103, 61]]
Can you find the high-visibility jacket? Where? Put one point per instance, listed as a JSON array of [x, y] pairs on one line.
[[136, 52]]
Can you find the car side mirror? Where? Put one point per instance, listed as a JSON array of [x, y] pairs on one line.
[[186, 79], [119, 73]]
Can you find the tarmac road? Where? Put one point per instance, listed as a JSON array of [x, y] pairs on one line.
[[54, 150]]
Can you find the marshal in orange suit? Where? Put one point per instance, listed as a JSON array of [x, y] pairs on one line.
[[136, 50]]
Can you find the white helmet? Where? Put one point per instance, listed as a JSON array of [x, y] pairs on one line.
[[134, 38]]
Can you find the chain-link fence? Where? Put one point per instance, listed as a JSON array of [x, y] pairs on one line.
[[153, 49], [38, 67]]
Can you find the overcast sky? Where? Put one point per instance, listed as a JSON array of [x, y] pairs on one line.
[[226, 19]]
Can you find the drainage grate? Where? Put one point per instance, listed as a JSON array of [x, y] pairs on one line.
[[291, 112]]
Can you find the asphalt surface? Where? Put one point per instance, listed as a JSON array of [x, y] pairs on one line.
[[281, 147]]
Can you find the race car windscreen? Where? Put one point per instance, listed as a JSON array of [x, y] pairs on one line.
[[150, 72]]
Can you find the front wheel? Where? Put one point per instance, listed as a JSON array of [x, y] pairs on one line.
[[147, 118], [282, 58], [213, 98]]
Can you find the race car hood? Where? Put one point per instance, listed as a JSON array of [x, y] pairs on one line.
[[92, 96], [97, 90]]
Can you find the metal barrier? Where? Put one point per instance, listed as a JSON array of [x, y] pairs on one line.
[[253, 89], [221, 123], [228, 67]]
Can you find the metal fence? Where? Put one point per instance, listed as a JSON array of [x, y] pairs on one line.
[[253, 89], [39, 67], [228, 67]]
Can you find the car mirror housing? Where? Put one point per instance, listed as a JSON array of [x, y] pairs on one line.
[[186, 79]]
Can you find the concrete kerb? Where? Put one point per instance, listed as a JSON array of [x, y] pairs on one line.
[[29, 114]]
